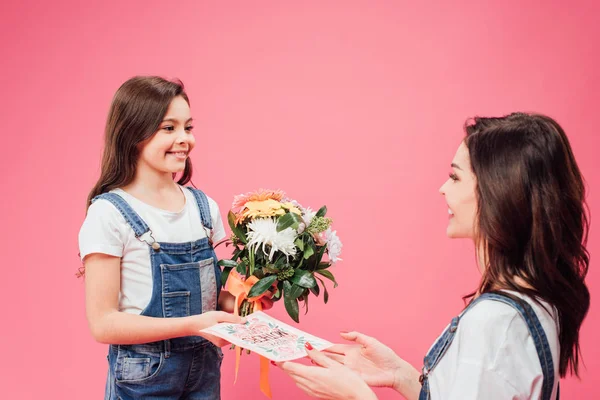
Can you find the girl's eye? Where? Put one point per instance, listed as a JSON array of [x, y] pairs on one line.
[[453, 176], [169, 128], [189, 128]]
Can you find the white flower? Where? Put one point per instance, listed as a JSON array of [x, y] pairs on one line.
[[297, 205], [263, 232], [301, 227], [309, 214], [334, 245]]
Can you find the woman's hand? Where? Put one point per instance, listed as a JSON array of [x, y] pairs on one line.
[[328, 380], [376, 364]]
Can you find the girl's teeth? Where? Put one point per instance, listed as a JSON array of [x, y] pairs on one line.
[[450, 212]]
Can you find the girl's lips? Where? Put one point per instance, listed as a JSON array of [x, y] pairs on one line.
[[181, 155]]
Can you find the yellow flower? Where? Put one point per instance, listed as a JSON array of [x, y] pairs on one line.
[[263, 208], [291, 207], [259, 195]]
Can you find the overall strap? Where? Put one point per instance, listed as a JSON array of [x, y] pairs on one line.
[[203, 206], [133, 219]]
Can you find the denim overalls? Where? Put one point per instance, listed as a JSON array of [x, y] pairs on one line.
[[186, 280], [535, 329]]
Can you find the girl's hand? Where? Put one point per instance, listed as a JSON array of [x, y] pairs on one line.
[[267, 303], [208, 319], [328, 380], [227, 302]]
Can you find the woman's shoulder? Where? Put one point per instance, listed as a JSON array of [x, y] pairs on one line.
[[489, 316], [499, 322]]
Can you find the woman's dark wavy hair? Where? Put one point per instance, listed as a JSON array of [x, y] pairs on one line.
[[532, 220]]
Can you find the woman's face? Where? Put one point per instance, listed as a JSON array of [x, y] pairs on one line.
[[459, 192]]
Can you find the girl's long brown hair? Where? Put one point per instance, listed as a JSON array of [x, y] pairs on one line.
[[135, 114], [137, 110]]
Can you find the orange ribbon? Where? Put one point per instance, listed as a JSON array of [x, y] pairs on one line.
[[240, 289]]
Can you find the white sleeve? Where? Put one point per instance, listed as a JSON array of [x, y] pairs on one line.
[[102, 231], [475, 381], [495, 358], [217, 222]]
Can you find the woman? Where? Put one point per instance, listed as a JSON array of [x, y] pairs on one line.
[[517, 192]]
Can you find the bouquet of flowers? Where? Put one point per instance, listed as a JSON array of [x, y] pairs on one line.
[[279, 250]]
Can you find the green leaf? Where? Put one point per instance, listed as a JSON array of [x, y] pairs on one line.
[[262, 286], [296, 291], [304, 278], [289, 220], [325, 292], [328, 275], [291, 304], [225, 275], [323, 265], [309, 252], [280, 263], [241, 268], [320, 254], [236, 229], [237, 253], [299, 244], [306, 304], [227, 263], [322, 211], [315, 290]]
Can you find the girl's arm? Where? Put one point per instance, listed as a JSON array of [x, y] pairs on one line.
[[109, 325]]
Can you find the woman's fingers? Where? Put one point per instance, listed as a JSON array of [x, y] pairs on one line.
[[321, 359], [338, 348], [357, 337], [336, 357]]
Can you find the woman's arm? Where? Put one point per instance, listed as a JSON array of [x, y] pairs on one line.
[[377, 364], [406, 381], [109, 325]]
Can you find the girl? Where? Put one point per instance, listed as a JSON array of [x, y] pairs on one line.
[[516, 190], [152, 280]]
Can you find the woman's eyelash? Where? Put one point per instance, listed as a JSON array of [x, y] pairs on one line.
[[453, 176]]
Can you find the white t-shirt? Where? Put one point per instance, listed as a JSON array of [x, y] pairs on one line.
[[493, 355], [106, 231]]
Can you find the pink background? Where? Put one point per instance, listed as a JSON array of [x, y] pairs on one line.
[[357, 104]]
